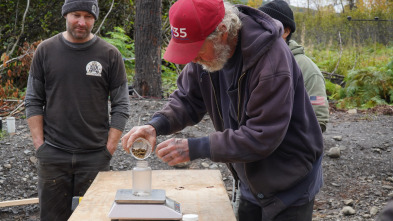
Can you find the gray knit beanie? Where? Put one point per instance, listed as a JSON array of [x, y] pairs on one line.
[[90, 6], [280, 10]]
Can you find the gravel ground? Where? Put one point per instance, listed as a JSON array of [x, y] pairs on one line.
[[358, 169]]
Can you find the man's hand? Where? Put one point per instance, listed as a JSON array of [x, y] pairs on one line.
[[36, 125], [37, 144], [146, 131], [111, 149], [113, 140], [173, 151]]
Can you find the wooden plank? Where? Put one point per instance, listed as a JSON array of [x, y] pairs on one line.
[[18, 202], [199, 192]]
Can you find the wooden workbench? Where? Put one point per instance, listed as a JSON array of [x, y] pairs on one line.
[[199, 192]]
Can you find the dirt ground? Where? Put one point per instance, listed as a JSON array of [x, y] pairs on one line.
[[358, 177]]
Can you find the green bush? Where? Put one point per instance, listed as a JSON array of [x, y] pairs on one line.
[[169, 78], [333, 91], [123, 42], [368, 87]]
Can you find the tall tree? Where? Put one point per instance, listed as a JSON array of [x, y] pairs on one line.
[[352, 4], [147, 80]]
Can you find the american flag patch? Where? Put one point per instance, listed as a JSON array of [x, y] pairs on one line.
[[317, 100]]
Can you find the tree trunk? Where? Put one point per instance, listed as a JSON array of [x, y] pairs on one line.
[[147, 80], [351, 4]]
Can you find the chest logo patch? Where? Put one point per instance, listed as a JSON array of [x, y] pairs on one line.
[[94, 68]]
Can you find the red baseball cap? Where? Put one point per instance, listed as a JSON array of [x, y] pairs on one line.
[[192, 21]]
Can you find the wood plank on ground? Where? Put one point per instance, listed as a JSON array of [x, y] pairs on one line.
[[19, 202]]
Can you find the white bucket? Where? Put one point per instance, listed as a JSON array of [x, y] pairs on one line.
[[11, 125]]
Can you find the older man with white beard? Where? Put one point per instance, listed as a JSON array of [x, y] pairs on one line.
[[241, 72]]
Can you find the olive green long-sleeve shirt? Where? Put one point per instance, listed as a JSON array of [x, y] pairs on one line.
[[314, 83]]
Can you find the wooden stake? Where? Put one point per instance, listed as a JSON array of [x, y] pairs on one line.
[[18, 202]]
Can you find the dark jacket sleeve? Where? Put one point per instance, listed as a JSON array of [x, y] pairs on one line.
[[35, 97], [120, 106], [185, 106]]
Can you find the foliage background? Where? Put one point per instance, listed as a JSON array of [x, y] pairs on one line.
[[360, 51], [356, 44]]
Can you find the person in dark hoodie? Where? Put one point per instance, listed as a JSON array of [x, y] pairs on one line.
[[313, 78], [242, 74]]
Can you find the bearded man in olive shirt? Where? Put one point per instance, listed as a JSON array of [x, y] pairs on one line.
[[70, 80]]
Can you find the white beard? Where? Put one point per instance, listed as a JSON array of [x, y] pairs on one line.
[[221, 52]]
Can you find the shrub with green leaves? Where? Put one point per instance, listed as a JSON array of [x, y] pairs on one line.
[[368, 87], [169, 78], [333, 91], [123, 42]]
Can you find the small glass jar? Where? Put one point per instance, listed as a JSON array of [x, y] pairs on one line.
[[141, 149], [141, 179]]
